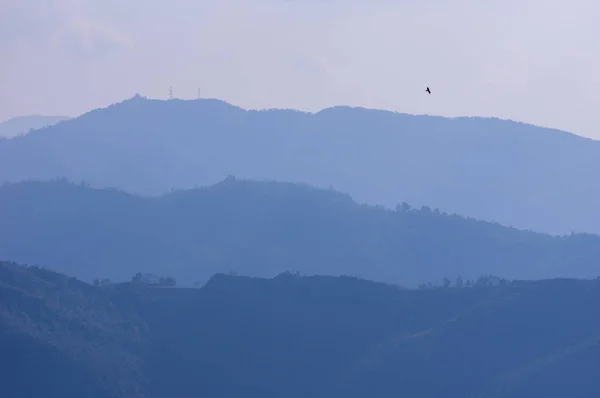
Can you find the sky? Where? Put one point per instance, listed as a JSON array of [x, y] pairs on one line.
[[536, 61]]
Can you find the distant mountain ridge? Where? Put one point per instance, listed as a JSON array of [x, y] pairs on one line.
[[490, 169], [23, 124], [264, 228]]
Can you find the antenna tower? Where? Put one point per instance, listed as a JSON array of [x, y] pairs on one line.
[[171, 92]]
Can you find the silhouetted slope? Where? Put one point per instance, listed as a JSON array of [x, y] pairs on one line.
[[288, 336], [504, 345], [570, 371], [62, 338], [294, 336], [264, 228], [23, 124], [489, 169], [298, 336]]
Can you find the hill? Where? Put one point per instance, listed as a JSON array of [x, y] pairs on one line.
[[294, 336], [23, 124], [265, 228], [512, 173], [60, 337]]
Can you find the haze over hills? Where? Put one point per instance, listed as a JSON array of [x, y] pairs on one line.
[[324, 248], [513, 173], [264, 228], [23, 124], [294, 336]]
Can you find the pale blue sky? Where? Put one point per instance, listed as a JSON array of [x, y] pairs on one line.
[[530, 60]]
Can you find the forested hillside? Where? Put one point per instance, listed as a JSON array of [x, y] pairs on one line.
[[265, 228], [294, 336], [60, 337]]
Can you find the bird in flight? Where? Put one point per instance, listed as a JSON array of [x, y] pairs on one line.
[[428, 90]]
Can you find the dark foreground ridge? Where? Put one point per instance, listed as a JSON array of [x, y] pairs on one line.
[[294, 336], [265, 228]]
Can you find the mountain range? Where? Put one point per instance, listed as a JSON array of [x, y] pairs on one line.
[[262, 228], [489, 169]]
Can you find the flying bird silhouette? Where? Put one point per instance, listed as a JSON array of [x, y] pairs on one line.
[[428, 90]]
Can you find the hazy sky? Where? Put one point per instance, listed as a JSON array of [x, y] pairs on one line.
[[531, 60]]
